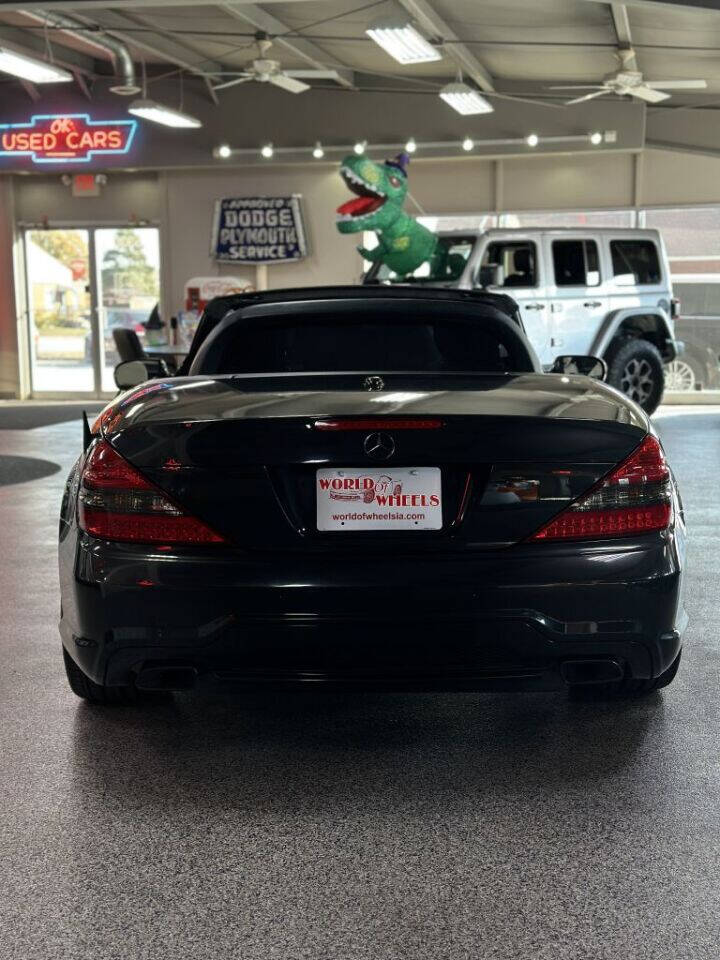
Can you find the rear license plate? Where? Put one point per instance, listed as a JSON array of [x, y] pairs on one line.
[[409, 498]]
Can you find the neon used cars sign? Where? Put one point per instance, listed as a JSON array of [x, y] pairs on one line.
[[65, 138]]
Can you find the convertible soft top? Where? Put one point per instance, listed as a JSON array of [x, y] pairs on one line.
[[492, 304]]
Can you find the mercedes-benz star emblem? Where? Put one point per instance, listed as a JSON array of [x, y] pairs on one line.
[[373, 383], [379, 446]]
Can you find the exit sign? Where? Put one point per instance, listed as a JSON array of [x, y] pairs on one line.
[[65, 138]]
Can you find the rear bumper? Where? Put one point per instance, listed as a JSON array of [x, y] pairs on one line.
[[470, 621]]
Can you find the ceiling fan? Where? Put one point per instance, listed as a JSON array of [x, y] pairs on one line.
[[629, 81], [264, 70]]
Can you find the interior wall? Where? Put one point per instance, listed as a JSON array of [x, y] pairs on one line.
[[9, 368], [126, 197], [568, 182], [190, 203], [674, 178]]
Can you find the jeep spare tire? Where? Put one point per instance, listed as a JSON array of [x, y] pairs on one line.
[[636, 369]]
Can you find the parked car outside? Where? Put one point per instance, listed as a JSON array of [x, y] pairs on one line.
[[698, 326], [115, 317]]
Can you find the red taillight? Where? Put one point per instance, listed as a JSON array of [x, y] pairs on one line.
[[374, 423], [116, 502], [634, 498]]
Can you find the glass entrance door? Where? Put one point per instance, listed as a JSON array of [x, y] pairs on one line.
[[60, 310], [82, 285], [128, 281]]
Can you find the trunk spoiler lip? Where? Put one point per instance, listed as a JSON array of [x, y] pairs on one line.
[[285, 396]]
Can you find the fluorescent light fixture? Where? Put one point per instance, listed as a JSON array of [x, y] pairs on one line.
[[28, 68], [318, 151], [402, 41], [533, 140], [411, 146], [467, 144], [267, 151], [166, 116], [360, 147], [596, 138], [464, 99], [224, 151]]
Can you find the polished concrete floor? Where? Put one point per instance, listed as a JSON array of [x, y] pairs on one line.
[[366, 826]]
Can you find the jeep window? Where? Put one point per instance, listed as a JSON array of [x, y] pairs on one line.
[[509, 264], [576, 263], [636, 259]]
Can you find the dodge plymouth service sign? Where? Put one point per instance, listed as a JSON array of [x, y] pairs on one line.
[[384, 499], [258, 230]]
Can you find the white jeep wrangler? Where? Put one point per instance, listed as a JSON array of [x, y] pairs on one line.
[[602, 292]]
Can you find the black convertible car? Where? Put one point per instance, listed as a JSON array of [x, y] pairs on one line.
[[372, 486]]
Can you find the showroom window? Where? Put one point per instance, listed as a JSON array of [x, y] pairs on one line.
[[569, 218], [692, 241], [636, 260], [692, 238], [575, 263]]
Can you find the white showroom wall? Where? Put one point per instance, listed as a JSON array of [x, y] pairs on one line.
[[189, 204]]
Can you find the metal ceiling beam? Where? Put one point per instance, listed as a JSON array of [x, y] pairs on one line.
[[305, 49], [109, 47], [342, 76], [159, 44], [32, 42], [430, 21], [671, 145], [697, 4], [80, 5], [31, 90], [68, 6], [619, 14], [82, 83]]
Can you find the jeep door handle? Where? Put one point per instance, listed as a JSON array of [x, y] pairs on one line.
[[534, 306], [592, 303]]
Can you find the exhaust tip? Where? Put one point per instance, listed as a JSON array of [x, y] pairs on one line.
[[577, 672]]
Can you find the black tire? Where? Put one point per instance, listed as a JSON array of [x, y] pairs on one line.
[[628, 687], [85, 688], [635, 368]]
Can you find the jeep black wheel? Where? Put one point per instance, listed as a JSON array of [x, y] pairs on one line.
[[635, 367]]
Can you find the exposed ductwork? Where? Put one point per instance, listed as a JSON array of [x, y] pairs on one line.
[[116, 50]]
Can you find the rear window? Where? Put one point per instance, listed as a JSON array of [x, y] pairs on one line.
[[383, 344], [635, 261]]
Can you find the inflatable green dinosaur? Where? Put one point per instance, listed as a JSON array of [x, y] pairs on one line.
[[380, 188]]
